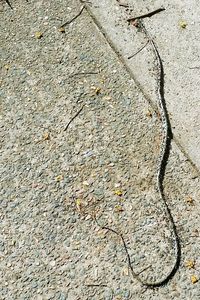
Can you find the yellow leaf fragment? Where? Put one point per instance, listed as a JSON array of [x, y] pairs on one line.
[[61, 29], [190, 264], [125, 271], [118, 208], [183, 24], [194, 279], [118, 193], [97, 90], [38, 34], [78, 204], [149, 114], [78, 201], [59, 178], [7, 67], [190, 200], [121, 200], [46, 136]]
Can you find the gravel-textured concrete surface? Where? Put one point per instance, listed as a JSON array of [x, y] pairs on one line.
[[177, 34], [53, 181]]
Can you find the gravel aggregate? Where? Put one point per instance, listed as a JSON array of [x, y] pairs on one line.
[[53, 182]]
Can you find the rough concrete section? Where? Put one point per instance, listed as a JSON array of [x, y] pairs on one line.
[[177, 34], [54, 181]]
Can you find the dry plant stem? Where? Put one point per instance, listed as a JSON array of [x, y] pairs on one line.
[[138, 50], [8, 2], [72, 119], [96, 285], [83, 74], [74, 18], [135, 275], [163, 158], [148, 15]]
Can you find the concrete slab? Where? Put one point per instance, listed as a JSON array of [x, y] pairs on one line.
[[180, 51], [52, 182]]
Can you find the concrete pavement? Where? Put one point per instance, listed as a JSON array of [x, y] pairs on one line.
[[179, 48], [53, 182]]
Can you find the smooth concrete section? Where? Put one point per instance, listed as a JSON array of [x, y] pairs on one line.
[[176, 32]]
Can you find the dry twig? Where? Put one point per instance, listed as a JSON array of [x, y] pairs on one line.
[[8, 2], [74, 18], [138, 51], [83, 74], [72, 119], [148, 15]]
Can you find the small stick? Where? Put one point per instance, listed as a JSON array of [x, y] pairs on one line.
[[143, 270], [82, 73], [96, 285], [138, 50], [148, 15], [145, 289], [72, 119], [74, 18], [8, 2]]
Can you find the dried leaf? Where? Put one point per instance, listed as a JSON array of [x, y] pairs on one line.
[[194, 279], [7, 67], [61, 29], [78, 204], [118, 193], [38, 34], [135, 22], [125, 271], [149, 114], [190, 200], [46, 136], [59, 178], [97, 90], [118, 208], [182, 24], [190, 264]]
